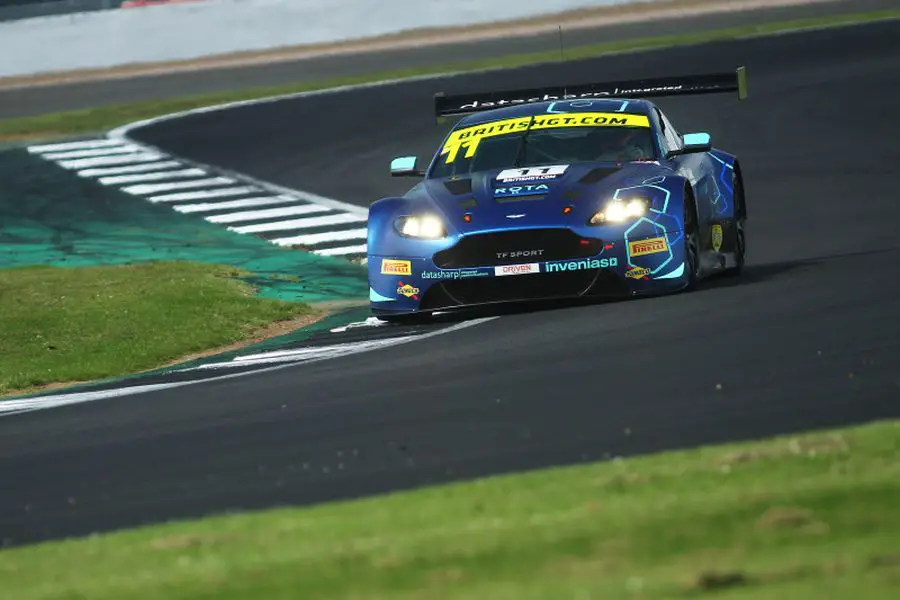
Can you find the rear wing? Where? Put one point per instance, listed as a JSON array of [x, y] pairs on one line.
[[712, 83]]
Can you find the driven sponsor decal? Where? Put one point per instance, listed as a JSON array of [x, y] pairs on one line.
[[468, 138], [578, 265], [407, 290], [648, 246], [637, 273], [508, 176], [395, 267], [716, 237], [517, 269], [520, 190], [455, 274]]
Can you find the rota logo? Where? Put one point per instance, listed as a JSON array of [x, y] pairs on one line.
[[409, 291]]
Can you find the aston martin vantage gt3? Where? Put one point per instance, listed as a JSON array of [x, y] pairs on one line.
[[550, 193]]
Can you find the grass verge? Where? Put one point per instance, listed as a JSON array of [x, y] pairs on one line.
[[102, 118], [802, 517], [79, 324]]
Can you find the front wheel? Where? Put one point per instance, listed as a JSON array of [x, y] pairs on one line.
[[691, 247]]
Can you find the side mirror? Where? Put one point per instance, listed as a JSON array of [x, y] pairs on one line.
[[405, 166], [693, 142]]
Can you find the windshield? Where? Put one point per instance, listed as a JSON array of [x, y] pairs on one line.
[[531, 141]]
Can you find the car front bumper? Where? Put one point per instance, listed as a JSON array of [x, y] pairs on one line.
[[623, 267]]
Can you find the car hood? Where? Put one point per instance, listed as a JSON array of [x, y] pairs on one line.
[[495, 204]]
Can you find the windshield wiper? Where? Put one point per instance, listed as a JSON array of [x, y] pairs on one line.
[[523, 144]]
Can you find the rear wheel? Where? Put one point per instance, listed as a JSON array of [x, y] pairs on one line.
[[740, 241], [740, 249]]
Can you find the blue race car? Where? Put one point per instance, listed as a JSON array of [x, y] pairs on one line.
[[559, 193]]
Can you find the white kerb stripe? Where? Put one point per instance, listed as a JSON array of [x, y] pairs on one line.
[[270, 213], [105, 161], [245, 203], [342, 251], [220, 193], [155, 176], [337, 219], [152, 188], [318, 238], [129, 149], [154, 166], [82, 145]]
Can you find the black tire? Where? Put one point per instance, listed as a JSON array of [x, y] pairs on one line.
[[691, 243], [740, 250], [740, 234]]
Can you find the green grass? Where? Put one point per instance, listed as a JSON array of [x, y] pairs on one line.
[[804, 517], [97, 119], [77, 324]]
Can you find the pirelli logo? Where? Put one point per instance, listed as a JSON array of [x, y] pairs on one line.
[[395, 267], [648, 246]]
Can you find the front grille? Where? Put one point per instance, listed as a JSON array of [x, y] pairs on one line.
[[513, 247]]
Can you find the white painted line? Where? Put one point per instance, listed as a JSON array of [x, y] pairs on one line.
[[204, 195], [245, 203], [369, 322], [126, 149], [104, 161], [82, 145], [308, 354], [154, 176], [152, 188], [337, 219], [342, 251], [141, 168], [271, 213], [14, 407], [318, 353], [318, 238]]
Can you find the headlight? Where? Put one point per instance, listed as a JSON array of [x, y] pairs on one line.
[[619, 211], [428, 227]]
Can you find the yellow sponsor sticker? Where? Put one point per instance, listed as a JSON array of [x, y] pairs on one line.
[[716, 237], [637, 272], [395, 267], [407, 290], [468, 138], [648, 246]]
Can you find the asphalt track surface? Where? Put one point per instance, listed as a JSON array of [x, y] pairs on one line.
[[71, 96], [808, 338]]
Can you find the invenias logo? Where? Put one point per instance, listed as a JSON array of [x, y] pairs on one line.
[[578, 265]]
